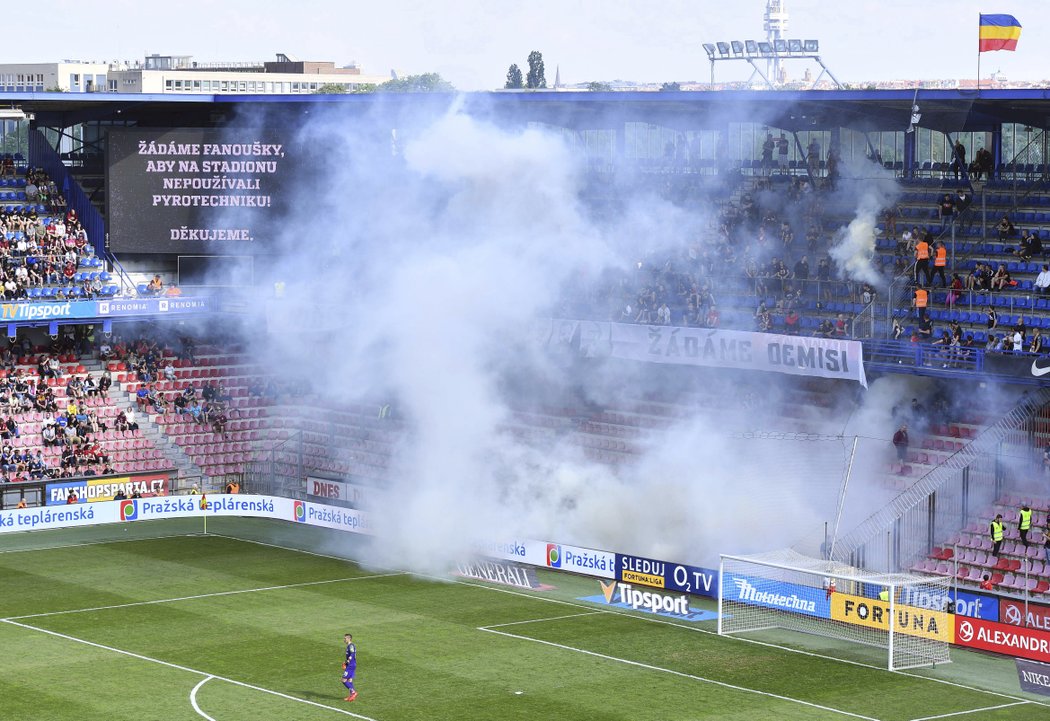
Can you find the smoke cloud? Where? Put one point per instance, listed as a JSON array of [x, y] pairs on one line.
[[426, 256], [873, 189]]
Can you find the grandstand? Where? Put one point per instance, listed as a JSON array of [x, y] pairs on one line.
[[749, 225]]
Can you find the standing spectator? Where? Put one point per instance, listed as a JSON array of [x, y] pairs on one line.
[[920, 302], [959, 160], [947, 208], [1046, 541], [922, 262], [663, 317], [1036, 344], [940, 262], [889, 222], [954, 291], [992, 317], [1024, 523], [996, 530], [712, 319], [782, 153], [767, 153], [900, 444]]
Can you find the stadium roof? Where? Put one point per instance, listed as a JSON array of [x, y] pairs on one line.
[[946, 110]]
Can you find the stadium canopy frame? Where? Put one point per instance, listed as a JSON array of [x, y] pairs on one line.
[[866, 110]]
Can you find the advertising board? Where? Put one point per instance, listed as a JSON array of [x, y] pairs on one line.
[[1001, 638], [670, 576], [910, 620]]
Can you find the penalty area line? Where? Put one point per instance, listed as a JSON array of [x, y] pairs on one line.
[[680, 674], [176, 666], [973, 710], [304, 584], [95, 543], [645, 619], [538, 620]]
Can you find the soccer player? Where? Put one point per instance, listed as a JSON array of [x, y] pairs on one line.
[[349, 667]]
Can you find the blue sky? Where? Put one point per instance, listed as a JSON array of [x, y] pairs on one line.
[[472, 42]]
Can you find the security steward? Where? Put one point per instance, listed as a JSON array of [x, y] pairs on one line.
[[997, 534], [1024, 523]]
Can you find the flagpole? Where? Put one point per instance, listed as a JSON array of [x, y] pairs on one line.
[[978, 53]]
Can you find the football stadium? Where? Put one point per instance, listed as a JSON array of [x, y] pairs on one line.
[[526, 405]]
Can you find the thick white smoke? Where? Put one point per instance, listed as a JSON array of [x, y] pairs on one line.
[[437, 253], [873, 189]]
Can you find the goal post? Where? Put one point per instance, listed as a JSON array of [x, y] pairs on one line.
[[903, 614]]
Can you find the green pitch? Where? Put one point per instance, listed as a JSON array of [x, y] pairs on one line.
[[122, 624]]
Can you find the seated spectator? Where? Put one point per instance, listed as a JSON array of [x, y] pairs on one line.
[[219, 424], [155, 286], [1042, 281], [1030, 245], [1001, 279], [1005, 228], [841, 326], [169, 372]]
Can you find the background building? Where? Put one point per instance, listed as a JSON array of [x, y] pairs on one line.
[[181, 74]]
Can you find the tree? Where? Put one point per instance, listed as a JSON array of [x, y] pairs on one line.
[[425, 83], [514, 79], [670, 88], [598, 87], [331, 89], [536, 78]]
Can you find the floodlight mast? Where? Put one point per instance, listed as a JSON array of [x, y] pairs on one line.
[[773, 50], [775, 24]]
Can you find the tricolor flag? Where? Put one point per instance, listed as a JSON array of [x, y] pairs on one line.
[[998, 32], [204, 502]]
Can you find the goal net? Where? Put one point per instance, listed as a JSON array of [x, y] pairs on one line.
[[904, 615]]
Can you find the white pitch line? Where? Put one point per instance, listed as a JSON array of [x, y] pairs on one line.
[[539, 620], [193, 697], [187, 669], [203, 595], [646, 619], [97, 543], [681, 674], [973, 710]]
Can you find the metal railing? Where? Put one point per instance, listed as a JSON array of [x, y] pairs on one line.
[[946, 499]]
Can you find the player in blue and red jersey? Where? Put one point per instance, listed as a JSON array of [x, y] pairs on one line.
[[349, 667]]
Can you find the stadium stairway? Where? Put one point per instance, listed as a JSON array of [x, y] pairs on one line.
[[185, 468]]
